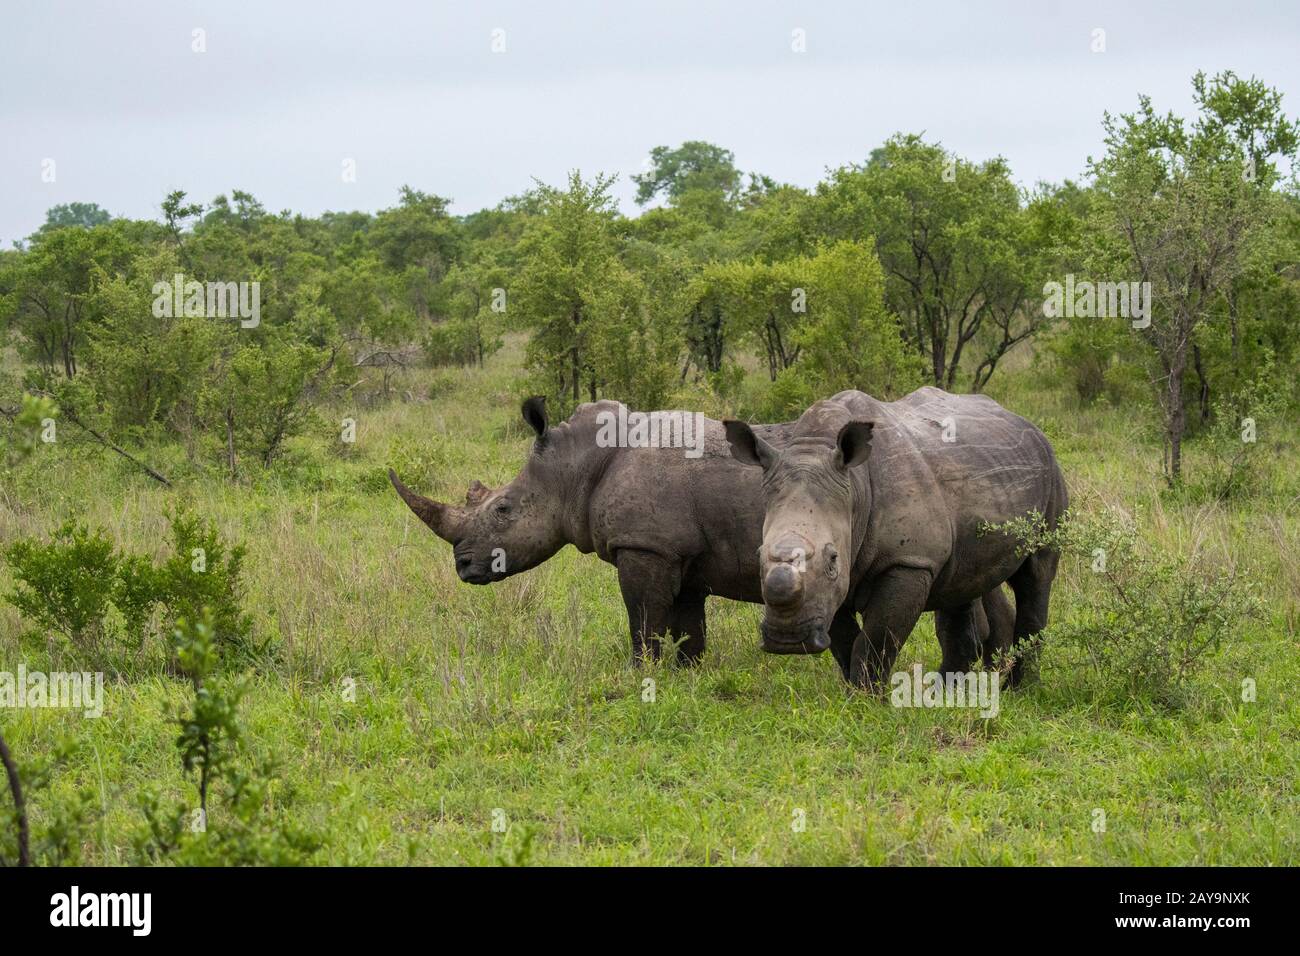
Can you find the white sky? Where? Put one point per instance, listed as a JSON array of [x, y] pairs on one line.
[[113, 93]]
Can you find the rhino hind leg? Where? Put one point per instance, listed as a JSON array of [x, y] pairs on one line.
[[997, 633], [688, 628], [961, 630], [1032, 584]]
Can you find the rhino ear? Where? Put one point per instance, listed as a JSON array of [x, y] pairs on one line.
[[853, 444], [748, 448], [534, 410], [477, 492]]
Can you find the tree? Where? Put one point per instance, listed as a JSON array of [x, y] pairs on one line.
[[695, 165], [176, 212], [475, 301], [1254, 325], [418, 239], [769, 302], [86, 215], [143, 368], [710, 297], [571, 264], [851, 340], [635, 342], [261, 397], [950, 236], [242, 211], [775, 223], [48, 290], [1190, 209]]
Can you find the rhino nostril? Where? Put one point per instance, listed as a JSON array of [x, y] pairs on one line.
[[462, 564]]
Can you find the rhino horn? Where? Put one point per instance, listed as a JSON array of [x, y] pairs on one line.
[[783, 586], [445, 521]]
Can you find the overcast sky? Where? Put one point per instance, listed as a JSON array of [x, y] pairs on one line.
[[115, 95]]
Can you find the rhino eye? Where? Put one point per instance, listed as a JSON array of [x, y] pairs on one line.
[[502, 508], [832, 561]]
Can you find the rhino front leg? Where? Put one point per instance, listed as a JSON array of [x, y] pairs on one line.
[[893, 604], [844, 631], [688, 628], [649, 584]]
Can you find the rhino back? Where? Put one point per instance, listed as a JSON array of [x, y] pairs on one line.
[[942, 466], [704, 513]]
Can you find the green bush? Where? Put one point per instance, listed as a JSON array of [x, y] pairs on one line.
[[1146, 620], [415, 460], [103, 601], [69, 586], [1087, 355], [205, 572], [210, 745], [460, 342], [22, 436], [1244, 425]]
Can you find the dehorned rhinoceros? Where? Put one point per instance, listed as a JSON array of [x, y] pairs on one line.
[[882, 505], [679, 523]]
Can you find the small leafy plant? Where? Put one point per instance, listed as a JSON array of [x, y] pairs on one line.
[[1146, 620], [210, 745], [68, 586], [28, 421], [1236, 442], [58, 841], [204, 571], [101, 600]]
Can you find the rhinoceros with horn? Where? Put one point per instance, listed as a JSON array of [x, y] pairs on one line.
[[678, 527], [882, 507]]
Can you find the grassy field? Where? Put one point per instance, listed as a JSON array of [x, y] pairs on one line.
[[519, 697]]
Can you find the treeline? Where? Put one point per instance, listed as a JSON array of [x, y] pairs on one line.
[[914, 266]]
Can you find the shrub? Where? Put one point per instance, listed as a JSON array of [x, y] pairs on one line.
[[1146, 619], [1242, 425], [1085, 352], [80, 586], [408, 456], [68, 584], [460, 342], [23, 436], [210, 745], [205, 572]]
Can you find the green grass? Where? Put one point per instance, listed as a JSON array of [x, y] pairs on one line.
[[519, 696]]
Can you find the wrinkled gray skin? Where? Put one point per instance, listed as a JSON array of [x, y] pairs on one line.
[[867, 505], [677, 529]]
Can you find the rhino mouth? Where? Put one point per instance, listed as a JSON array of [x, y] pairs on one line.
[[476, 572], [800, 637]]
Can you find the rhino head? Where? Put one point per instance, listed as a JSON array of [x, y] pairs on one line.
[[502, 532], [806, 556]]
